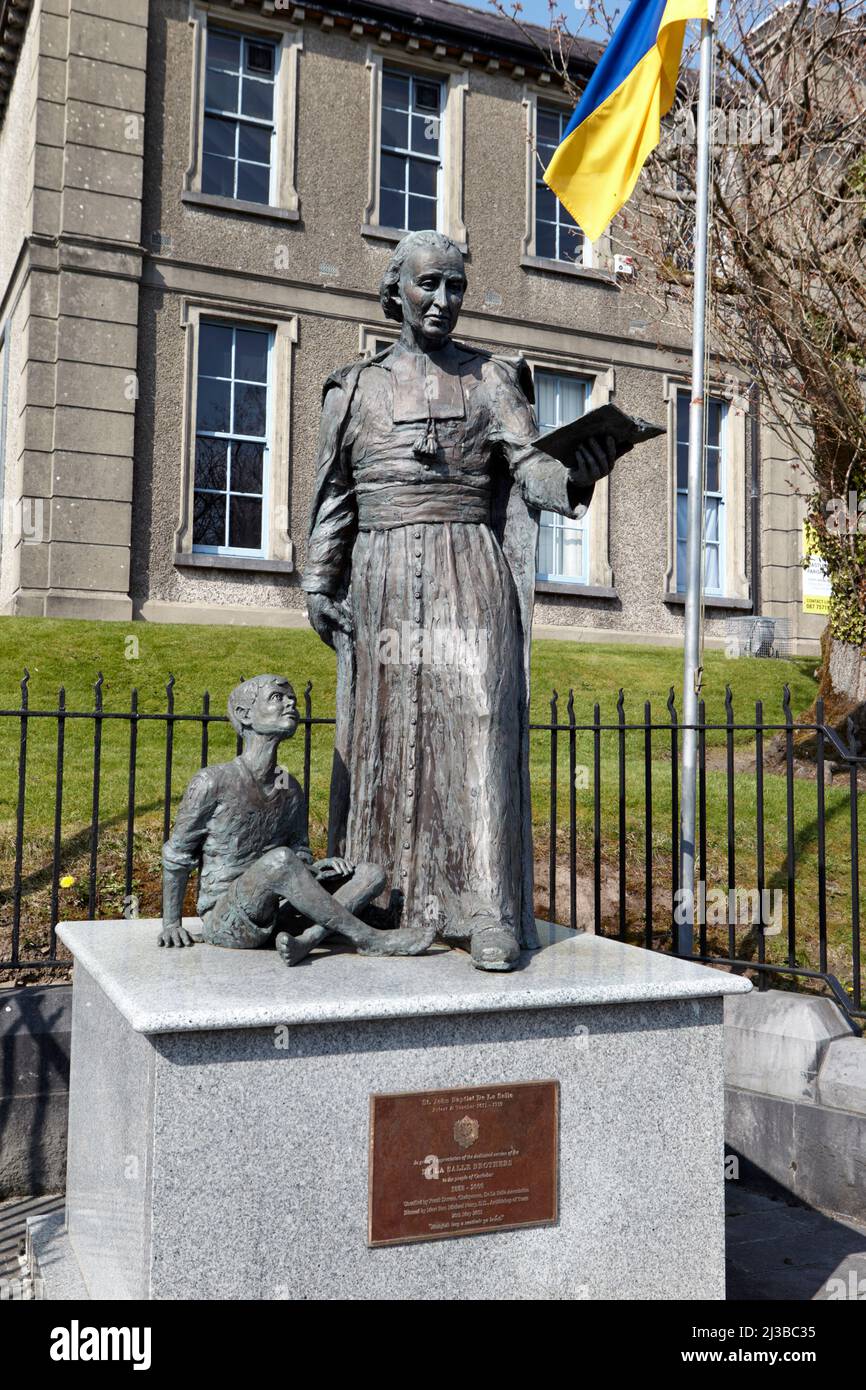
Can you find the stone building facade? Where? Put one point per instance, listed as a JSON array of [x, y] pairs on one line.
[[198, 201]]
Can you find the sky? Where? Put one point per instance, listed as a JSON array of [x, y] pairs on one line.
[[537, 12]]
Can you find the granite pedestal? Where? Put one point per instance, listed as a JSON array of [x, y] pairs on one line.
[[218, 1124]]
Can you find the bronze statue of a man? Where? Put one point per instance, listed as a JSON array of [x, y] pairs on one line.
[[243, 824], [421, 572]]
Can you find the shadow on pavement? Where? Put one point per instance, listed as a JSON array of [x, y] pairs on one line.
[[779, 1248]]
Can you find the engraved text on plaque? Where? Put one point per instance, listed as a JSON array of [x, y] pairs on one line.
[[463, 1161]]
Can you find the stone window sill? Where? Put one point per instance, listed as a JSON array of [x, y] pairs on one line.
[[239, 205], [556, 586], [199, 560], [712, 601], [395, 234], [579, 272]]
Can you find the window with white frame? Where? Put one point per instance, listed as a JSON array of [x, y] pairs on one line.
[[371, 341], [714, 491], [238, 134], [563, 544], [232, 443], [410, 170], [557, 235]]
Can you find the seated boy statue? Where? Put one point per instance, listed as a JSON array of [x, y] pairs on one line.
[[244, 824]]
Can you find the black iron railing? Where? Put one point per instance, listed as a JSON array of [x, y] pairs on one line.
[[606, 797]]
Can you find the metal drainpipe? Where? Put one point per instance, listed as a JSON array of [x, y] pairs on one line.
[[755, 413], [4, 403]]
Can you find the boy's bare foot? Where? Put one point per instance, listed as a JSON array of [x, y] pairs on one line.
[[291, 949], [401, 941]]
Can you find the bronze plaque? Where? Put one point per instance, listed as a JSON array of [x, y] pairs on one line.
[[464, 1161]]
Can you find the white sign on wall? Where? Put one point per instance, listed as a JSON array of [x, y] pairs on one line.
[[817, 586]]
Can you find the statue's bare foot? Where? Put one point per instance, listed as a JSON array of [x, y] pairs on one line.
[[291, 949], [494, 948], [402, 941]]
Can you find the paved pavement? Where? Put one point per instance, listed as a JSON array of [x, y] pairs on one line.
[[777, 1248]]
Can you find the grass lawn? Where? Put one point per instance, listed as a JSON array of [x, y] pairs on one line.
[[142, 656]]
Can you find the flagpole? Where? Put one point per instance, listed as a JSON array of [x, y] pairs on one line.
[[684, 920]]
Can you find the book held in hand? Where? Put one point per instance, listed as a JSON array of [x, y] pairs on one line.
[[625, 430]]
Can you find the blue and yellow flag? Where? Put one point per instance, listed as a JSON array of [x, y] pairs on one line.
[[617, 122]]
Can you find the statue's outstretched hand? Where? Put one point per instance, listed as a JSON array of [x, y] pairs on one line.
[[327, 615], [593, 459], [174, 934]]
